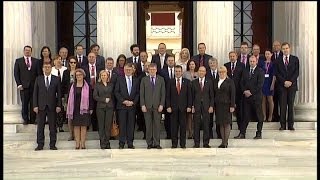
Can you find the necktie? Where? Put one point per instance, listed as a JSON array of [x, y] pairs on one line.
[[232, 67], [93, 79], [201, 84], [243, 60], [47, 82], [27, 62], [171, 76], [201, 61], [80, 59], [59, 75], [152, 83], [276, 55], [251, 72], [286, 61], [135, 60], [129, 85], [178, 86], [64, 62]]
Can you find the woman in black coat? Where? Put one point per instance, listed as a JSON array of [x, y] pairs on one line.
[[224, 91]]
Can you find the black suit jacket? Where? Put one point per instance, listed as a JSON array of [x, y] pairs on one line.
[[180, 101], [165, 74], [206, 97], [210, 76], [22, 75], [139, 69], [130, 60], [87, 69], [65, 84], [156, 59], [206, 58], [50, 97], [226, 94], [291, 73], [100, 60], [253, 83], [84, 61], [237, 74], [121, 93], [273, 57]]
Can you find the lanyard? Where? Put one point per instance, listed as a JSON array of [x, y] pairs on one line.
[[267, 67]]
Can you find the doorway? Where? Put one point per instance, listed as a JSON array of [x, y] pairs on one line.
[[170, 22]]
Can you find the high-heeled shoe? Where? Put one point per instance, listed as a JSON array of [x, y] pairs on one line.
[[83, 147], [78, 147]]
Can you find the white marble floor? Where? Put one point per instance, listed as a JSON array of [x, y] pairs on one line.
[[290, 156]]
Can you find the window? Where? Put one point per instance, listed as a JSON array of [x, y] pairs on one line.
[[85, 23]]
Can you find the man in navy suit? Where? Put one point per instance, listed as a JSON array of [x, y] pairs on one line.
[[47, 102], [168, 74], [161, 58], [202, 59], [82, 59], [25, 73], [134, 48], [127, 93], [287, 73], [244, 55], [256, 53]]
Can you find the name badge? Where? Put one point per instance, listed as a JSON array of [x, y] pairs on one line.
[[266, 75]]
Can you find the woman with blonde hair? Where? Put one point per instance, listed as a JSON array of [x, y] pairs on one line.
[[80, 107], [224, 93], [103, 94], [184, 57]]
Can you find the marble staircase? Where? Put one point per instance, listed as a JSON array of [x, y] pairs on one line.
[[280, 155]]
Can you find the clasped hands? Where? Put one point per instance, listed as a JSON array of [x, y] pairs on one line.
[[127, 103], [287, 84], [247, 93]]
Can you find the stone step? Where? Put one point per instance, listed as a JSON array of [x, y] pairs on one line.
[[95, 144], [93, 135], [17, 128], [234, 163]]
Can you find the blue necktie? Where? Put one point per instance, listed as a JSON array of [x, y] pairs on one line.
[[129, 85]]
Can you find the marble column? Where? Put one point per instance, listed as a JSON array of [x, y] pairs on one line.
[[299, 28], [17, 34], [214, 27], [38, 29], [116, 29]]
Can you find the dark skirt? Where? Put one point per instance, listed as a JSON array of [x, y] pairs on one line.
[[79, 119], [223, 115]]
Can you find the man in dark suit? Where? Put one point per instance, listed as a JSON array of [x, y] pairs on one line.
[[178, 103], [152, 100], [100, 60], [82, 59], [134, 48], [244, 55], [47, 102], [213, 75], [202, 106], [25, 73], [92, 70], [202, 59], [276, 54], [235, 69], [127, 94], [161, 58], [251, 86], [287, 73], [63, 52], [143, 57], [168, 74], [140, 117]]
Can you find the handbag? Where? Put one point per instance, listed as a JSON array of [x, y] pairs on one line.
[[114, 129]]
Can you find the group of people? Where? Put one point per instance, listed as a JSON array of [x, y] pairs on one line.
[[189, 92]]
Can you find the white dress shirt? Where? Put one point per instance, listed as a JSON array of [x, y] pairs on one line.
[[127, 81], [284, 59], [220, 82], [95, 70], [29, 60], [54, 71], [169, 71], [110, 73], [202, 80], [214, 73], [137, 59], [162, 58], [45, 79]]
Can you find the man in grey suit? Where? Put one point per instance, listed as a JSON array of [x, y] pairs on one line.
[[152, 99]]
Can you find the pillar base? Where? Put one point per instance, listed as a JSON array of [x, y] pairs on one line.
[[305, 113]]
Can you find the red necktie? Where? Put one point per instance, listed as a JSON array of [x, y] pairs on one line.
[[59, 75], [178, 86], [286, 61], [201, 61], [93, 79], [27, 62], [243, 59]]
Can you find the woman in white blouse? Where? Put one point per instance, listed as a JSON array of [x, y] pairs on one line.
[[224, 93], [184, 57]]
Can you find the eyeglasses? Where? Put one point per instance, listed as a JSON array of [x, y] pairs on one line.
[[73, 62]]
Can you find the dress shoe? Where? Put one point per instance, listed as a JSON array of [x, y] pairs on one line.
[[121, 146], [108, 147], [221, 146], [131, 147], [158, 147], [196, 146], [53, 148], [282, 128], [38, 148], [78, 147], [25, 123], [291, 128], [240, 136], [258, 136], [149, 147], [173, 146], [206, 146], [183, 147]]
